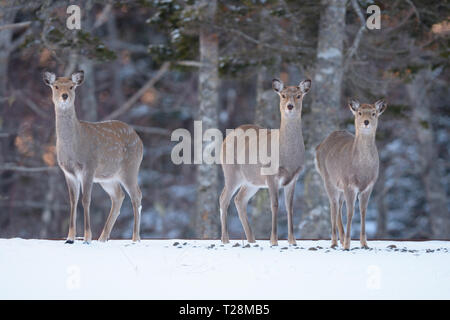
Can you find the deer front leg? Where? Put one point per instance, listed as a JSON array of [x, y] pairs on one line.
[[289, 201], [273, 192], [363, 201], [86, 188], [74, 192], [350, 199], [333, 197]]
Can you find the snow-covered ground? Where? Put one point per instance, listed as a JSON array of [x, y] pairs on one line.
[[194, 269]]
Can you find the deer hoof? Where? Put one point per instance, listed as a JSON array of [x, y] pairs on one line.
[[69, 241], [102, 239]]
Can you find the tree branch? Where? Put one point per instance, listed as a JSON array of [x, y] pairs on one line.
[[151, 130], [12, 167], [132, 100], [352, 50], [15, 25]]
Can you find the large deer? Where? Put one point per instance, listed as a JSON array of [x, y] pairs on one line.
[[348, 165], [108, 153], [248, 177]]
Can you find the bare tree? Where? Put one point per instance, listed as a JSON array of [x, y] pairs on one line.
[[206, 215], [435, 195], [323, 117]]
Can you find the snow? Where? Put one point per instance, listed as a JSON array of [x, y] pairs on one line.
[[202, 269]]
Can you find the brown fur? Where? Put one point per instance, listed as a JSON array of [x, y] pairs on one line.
[[349, 165], [247, 177], [108, 153]]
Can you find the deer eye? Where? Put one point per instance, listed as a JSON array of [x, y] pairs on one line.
[[56, 87], [299, 96], [71, 87], [373, 114], [284, 97], [360, 113]]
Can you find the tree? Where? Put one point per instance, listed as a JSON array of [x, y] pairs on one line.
[[206, 224], [323, 117]]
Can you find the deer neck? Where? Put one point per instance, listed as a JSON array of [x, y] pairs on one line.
[[364, 148], [67, 127], [291, 142]]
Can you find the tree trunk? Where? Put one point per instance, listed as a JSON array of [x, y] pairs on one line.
[[267, 115], [88, 97], [323, 117], [7, 15], [206, 216], [430, 167]]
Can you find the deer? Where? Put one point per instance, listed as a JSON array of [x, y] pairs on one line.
[[348, 165], [248, 178], [109, 153]]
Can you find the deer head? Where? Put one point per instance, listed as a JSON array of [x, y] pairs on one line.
[[291, 97], [63, 89], [366, 115]]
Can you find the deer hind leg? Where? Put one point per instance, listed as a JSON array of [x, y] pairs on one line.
[[350, 199], [74, 193], [116, 194], [339, 219], [241, 201], [363, 201], [224, 202], [132, 188]]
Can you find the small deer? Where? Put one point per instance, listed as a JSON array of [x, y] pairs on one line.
[[108, 153], [248, 177], [349, 166]]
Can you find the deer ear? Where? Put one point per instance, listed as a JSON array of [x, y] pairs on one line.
[[277, 85], [354, 105], [305, 85], [78, 77], [49, 78], [381, 106]]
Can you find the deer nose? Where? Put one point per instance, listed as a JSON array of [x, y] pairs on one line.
[[65, 96], [290, 106], [366, 122]]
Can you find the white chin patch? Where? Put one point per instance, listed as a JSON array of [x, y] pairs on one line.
[[366, 130], [63, 104]]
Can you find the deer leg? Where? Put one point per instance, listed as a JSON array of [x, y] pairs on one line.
[[224, 202], [339, 220], [241, 201], [289, 200], [273, 192], [86, 188], [132, 188], [74, 193], [350, 198], [363, 201], [116, 194]]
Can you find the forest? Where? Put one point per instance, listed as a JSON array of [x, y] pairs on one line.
[[160, 65]]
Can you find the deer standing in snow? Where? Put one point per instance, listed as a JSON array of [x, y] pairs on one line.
[[349, 166], [248, 178], [108, 153]]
